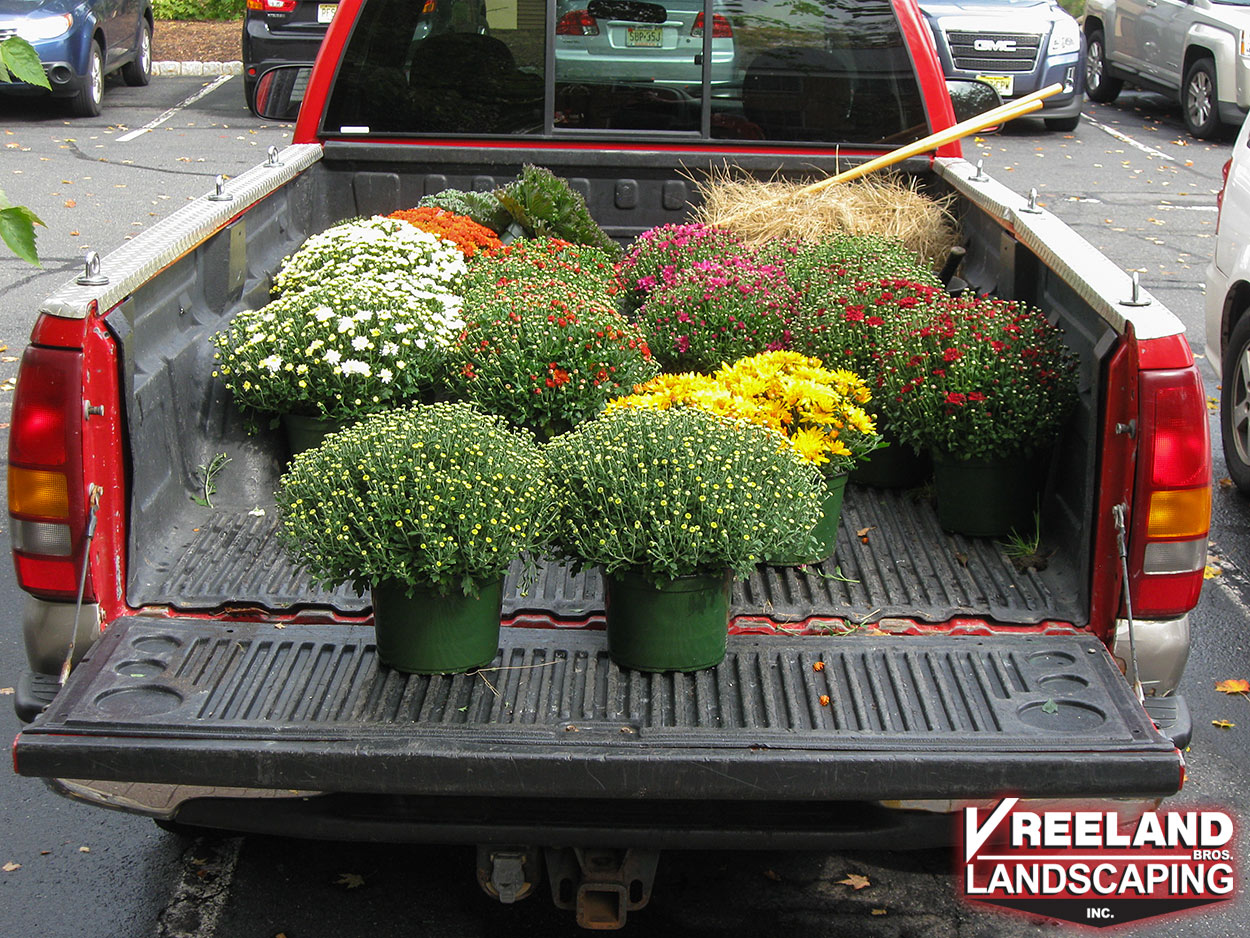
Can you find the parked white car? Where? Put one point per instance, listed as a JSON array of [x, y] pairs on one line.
[[1196, 51], [1228, 310]]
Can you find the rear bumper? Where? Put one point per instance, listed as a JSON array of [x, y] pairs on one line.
[[183, 701]]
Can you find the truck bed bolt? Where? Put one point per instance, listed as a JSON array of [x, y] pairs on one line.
[[1135, 297], [91, 276], [980, 176], [272, 162], [220, 194], [1032, 208]]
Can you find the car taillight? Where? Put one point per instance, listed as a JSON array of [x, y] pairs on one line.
[[1219, 196], [577, 23], [1172, 501], [46, 500], [720, 27], [272, 6]]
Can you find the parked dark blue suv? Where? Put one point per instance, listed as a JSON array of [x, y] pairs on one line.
[[79, 42]]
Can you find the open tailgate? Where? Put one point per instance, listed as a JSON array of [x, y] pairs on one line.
[[191, 701]]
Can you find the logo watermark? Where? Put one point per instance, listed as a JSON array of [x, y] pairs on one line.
[[1093, 867]]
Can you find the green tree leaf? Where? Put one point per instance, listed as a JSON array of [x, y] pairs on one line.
[[20, 62], [17, 229]]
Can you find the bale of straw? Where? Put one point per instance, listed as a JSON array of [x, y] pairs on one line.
[[759, 210]]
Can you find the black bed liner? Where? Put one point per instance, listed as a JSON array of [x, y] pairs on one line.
[[904, 566], [306, 706]]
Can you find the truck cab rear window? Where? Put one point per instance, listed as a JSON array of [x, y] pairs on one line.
[[820, 71]]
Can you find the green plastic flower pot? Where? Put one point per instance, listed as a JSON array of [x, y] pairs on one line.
[[896, 466], [427, 633], [826, 530], [986, 498], [682, 625], [307, 432]]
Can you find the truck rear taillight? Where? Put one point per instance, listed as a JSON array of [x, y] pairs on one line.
[[46, 501], [1172, 504]]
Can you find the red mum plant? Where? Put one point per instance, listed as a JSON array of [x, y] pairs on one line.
[[656, 256], [579, 266], [544, 345], [463, 232], [715, 312], [981, 379]]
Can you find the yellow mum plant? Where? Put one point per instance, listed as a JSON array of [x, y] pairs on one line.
[[820, 411]]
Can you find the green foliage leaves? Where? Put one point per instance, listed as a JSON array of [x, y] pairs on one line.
[[198, 9], [20, 62], [17, 229]]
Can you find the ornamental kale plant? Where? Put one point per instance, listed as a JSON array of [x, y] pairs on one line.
[[981, 379], [367, 249], [544, 205], [678, 492], [656, 256], [482, 207], [545, 347], [439, 496], [718, 311], [339, 350]]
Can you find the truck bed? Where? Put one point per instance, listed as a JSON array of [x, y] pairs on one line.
[[310, 707], [904, 567]]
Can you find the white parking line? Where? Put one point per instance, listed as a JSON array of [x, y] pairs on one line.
[[1125, 138], [156, 122]]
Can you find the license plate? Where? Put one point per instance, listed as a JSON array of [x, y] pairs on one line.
[[1003, 84], [325, 12], [645, 36]]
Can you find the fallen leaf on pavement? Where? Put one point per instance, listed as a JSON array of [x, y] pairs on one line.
[[769, 874], [855, 881], [1233, 686], [1208, 572], [84, 849], [350, 880], [1226, 483], [70, 203], [1223, 724], [878, 912], [6, 691], [11, 867]]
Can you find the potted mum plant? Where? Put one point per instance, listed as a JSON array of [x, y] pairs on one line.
[[821, 412], [367, 248], [658, 254], [545, 347], [985, 385], [426, 506], [856, 324], [465, 233], [671, 504], [319, 358], [718, 311]]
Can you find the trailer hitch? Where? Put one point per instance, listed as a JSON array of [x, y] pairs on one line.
[[601, 885]]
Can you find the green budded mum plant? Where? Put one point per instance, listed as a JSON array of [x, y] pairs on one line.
[[679, 492], [438, 496], [339, 350]]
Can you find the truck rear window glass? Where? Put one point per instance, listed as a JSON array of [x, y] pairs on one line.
[[795, 71]]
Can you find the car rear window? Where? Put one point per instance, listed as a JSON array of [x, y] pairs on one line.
[[751, 71]]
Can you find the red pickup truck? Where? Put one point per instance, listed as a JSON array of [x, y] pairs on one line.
[[212, 687]]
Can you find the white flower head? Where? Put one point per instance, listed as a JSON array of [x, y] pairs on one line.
[[333, 356], [360, 343]]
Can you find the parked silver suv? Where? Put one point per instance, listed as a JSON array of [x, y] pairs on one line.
[[1197, 51]]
